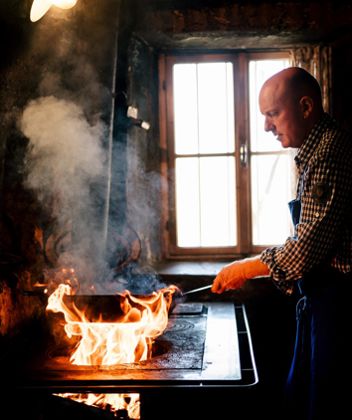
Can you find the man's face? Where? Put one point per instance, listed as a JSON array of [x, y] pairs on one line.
[[283, 115]]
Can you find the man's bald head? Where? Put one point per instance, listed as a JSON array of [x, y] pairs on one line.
[[291, 103], [295, 82]]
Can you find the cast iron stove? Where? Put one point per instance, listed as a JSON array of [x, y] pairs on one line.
[[205, 344]]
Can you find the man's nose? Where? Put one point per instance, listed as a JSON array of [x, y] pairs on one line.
[[268, 125]]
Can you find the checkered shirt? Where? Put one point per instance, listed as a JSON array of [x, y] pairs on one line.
[[323, 235]]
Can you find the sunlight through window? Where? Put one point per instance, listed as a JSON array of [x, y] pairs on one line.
[[204, 147], [271, 177], [230, 181]]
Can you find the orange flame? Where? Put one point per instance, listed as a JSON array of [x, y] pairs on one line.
[[113, 402], [129, 339]]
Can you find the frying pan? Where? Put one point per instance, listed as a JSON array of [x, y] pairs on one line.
[[107, 308]]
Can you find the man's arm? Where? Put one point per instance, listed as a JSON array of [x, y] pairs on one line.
[[234, 275]]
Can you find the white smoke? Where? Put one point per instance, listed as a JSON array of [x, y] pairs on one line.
[[65, 161], [65, 152]]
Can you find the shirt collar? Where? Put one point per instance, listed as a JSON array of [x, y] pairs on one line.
[[311, 142]]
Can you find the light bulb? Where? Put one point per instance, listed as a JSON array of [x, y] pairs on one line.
[[40, 7]]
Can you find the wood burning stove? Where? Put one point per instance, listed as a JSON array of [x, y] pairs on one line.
[[204, 354]]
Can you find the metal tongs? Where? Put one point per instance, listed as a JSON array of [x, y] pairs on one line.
[[199, 289], [180, 296]]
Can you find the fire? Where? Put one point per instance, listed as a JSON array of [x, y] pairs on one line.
[[128, 339], [114, 402]]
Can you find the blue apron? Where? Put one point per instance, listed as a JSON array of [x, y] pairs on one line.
[[318, 385]]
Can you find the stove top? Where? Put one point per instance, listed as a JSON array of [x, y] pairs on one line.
[[205, 344]]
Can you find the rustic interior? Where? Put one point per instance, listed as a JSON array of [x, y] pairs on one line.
[[104, 55]]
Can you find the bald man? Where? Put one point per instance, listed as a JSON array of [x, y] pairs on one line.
[[317, 260]]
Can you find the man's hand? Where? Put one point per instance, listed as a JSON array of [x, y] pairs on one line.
[[234, 275]]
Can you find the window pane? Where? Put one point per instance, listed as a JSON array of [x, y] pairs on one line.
[[203, 108], [185, 108], [187, 202], [271, 191], [216, 113], [217, 192], [259, 71], [205, 202], [271, 175]]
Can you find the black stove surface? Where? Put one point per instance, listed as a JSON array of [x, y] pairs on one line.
[[205, 344]]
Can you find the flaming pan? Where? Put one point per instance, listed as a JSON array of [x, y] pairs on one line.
[[108, 308]]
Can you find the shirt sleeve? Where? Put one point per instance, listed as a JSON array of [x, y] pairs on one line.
[[324, 203]]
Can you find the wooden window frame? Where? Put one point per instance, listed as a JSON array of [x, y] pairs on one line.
[[240, 61]]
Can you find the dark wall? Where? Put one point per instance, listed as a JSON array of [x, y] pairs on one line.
[[342, 87], [68, 55], [143, 182]]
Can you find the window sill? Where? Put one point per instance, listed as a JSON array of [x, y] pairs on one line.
[[170, 270], [189, 275]]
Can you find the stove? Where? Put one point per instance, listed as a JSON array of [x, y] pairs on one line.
[[207, 345]]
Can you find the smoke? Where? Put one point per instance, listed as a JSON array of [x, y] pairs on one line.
[[73, 62], [65, 165], [65, 153], [66, 170], [66, 160]]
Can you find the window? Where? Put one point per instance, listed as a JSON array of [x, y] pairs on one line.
[[228, 182]]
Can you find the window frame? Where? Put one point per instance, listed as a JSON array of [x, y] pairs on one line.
[[240, 61]]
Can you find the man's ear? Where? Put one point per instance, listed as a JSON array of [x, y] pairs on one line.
[[306, 103]]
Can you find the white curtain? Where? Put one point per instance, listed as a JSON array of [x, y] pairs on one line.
[[317, 60]]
